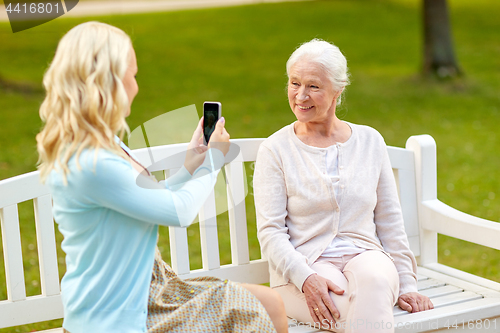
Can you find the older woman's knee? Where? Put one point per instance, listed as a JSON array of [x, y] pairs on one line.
[[374, 271]]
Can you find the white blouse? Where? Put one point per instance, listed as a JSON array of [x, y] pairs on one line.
[[339, 246]]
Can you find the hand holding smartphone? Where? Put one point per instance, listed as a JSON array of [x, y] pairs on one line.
[[211, 114]]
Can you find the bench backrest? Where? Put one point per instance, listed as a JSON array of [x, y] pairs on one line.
[[19, 309]]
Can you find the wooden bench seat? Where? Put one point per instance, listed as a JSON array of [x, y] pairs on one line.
[[462, 301]]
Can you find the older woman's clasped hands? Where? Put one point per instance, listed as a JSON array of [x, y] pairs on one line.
[[328, 212]]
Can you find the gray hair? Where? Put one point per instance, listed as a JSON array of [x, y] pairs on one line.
[[328, 56]]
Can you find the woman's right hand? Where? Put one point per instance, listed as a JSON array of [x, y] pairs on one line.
[[196, 149], [316, 290], [220, 137]]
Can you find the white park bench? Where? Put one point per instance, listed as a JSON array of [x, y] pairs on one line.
[[461, 300]]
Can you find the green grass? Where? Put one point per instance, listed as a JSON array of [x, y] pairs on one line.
[[237, 56]]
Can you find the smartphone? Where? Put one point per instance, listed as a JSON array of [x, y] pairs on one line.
[[211, 114]]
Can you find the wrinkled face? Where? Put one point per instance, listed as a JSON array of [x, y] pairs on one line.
[[311, 95], [129, 82]]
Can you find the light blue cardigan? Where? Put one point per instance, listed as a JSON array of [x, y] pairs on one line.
[[110, 229]]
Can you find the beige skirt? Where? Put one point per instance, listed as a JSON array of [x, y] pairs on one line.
[[204, 304]]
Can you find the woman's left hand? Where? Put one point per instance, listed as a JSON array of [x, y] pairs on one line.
[[321, 307], [414, 302], [196, 150]]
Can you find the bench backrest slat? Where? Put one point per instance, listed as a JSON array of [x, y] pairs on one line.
[[178, 240], [179, 250], [403, 164], [235, 173], [13, 254], [208, 234], [46, 240]]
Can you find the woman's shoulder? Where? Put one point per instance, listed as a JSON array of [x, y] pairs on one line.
[[365, 129], [367, 133], [90, 164], [97, 159]]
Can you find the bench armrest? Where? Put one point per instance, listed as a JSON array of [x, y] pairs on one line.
[[441, 218]]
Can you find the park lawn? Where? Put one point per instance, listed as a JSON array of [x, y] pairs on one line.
[[237, 56]]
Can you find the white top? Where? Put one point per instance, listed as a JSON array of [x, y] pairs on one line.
[[339, 246], [299, 214]]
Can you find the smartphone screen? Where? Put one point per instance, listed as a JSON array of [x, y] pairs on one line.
[[211, 114]]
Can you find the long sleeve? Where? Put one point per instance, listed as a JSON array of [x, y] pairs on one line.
[[177, 180], [271, 209], [174, 182], [390, 228], [112, 184]]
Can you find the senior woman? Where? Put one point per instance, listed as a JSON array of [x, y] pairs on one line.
[[328, 215], [110, 223]]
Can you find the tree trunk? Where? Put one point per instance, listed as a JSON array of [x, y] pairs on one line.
[[439, 58]]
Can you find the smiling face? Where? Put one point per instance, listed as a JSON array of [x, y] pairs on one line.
[[311, 94]]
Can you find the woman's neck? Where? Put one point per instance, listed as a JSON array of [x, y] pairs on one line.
[[323, 134]]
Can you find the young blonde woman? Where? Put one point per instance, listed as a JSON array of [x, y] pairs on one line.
[[109, 223]]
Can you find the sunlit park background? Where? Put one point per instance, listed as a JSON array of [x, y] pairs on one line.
[[237, 56]]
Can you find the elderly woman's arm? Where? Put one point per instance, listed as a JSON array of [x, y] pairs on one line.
[[270, 203], [271, 207], [390, 230]]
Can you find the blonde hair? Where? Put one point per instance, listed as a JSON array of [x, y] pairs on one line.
[[86, 102]]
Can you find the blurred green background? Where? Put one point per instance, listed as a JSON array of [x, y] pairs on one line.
[[237, 56]]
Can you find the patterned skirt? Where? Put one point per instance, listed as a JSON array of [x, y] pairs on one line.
[[204, 304]]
